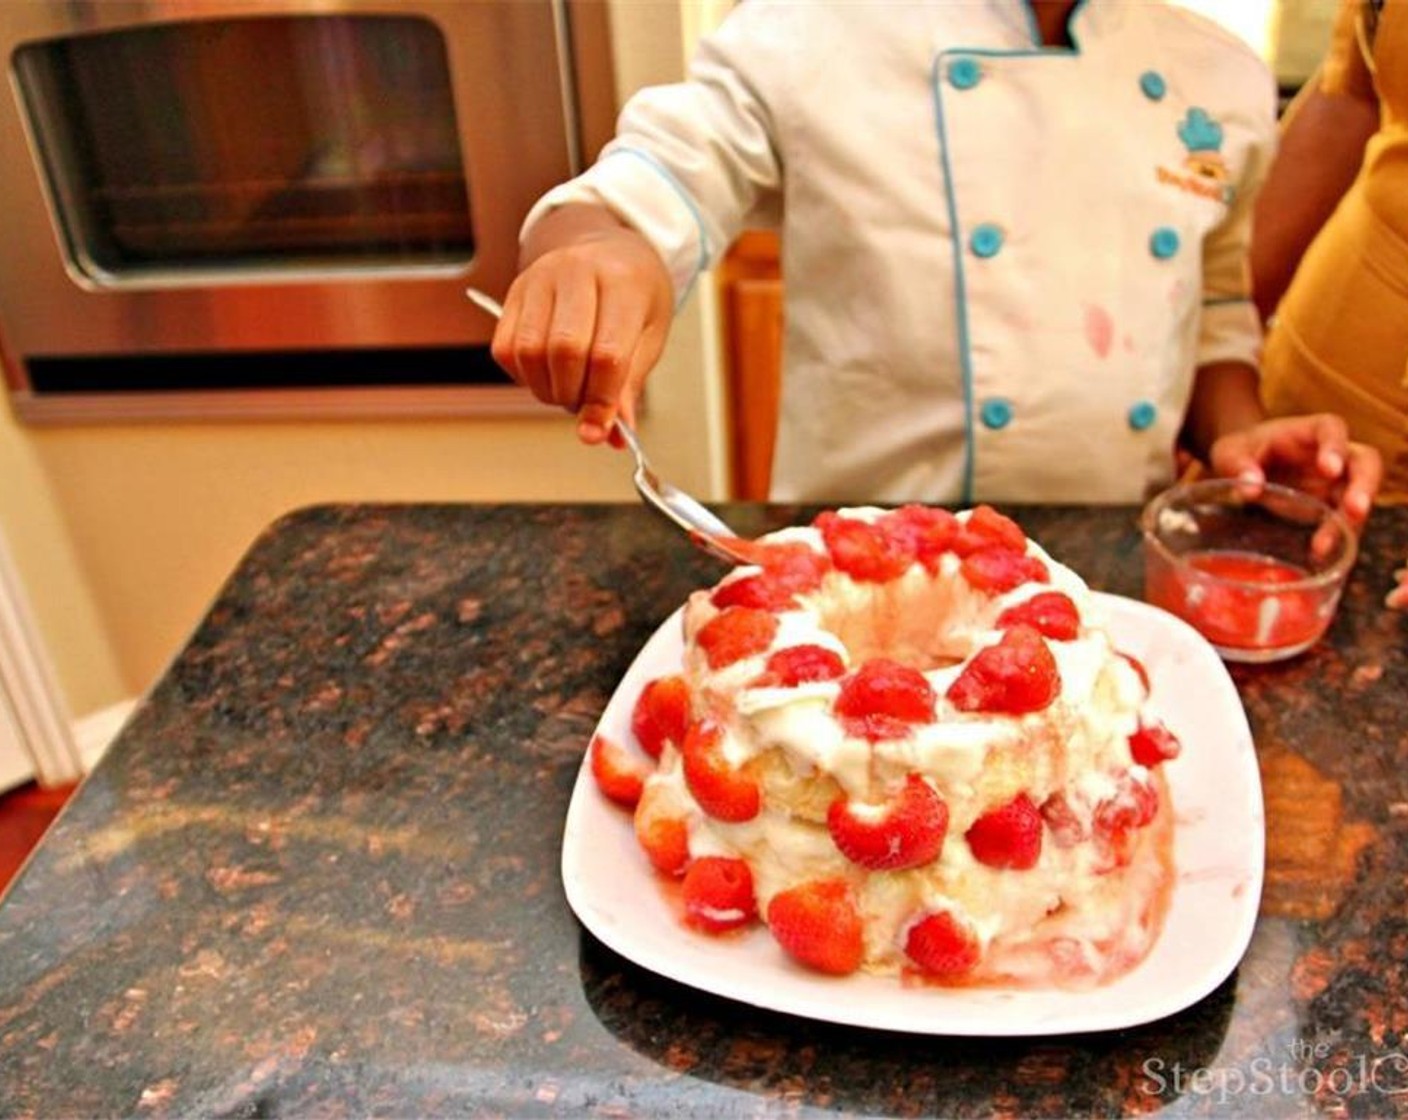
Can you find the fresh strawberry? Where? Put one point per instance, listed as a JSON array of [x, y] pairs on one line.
[[943, 946], [984, 527], [793, 665], [1052, 614], [997, 568], [665, 838], [661, 714], [759, 591], [618, 775], [1152, 744], [1065, 827], [718, 894], [725, 793], [1016, 675], [924, 530], [907, 831], [1008, 836], [734, 634], [862, 550], [794, 565], [883, 699], [819, 924]]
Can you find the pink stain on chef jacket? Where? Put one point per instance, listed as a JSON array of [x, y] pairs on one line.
[[1099, 329]]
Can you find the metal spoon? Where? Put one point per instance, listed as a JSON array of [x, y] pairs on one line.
[[688, 513]]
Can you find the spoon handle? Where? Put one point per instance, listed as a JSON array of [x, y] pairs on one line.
[[485, 302]]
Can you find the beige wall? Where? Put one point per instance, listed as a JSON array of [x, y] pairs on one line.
[[123, 533], [53, 579]]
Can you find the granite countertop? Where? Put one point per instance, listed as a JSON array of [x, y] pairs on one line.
[[318, 873]]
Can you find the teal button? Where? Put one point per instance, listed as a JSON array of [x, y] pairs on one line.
[[1142, 415], [964, 73], [986, 240], [996, 413], [1153, 85], [1163, 242]]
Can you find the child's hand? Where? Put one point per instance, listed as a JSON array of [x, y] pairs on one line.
[[1311, 453], [587, 320]]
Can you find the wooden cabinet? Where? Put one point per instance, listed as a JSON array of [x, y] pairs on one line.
[[750, 283]]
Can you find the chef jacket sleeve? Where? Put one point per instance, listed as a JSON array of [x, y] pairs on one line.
[[694, 163], [1229, 327]]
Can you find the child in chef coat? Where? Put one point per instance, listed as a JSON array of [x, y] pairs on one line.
[[1014, 242]]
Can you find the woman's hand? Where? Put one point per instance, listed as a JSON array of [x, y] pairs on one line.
[[1312, 453], [587, 318]]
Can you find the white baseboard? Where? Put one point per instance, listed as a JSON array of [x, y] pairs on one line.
[[95, 731]]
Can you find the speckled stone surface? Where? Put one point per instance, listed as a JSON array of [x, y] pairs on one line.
[[318, 872]]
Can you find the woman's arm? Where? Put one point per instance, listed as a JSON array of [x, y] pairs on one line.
[[1322, 143]]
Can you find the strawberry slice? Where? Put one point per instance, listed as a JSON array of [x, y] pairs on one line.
[[883, 700], [943, 947], [1008, 837], [1052, 614], [618, 775], [759, 591], [865, 552], [736, 633], [819, 924], [718, 894], [1016, 675], [1153, 744], [661, 714], [664, 837], [793, 665], [925, 531], [908, 831], [997, 568], [984, 527], [725, 793]]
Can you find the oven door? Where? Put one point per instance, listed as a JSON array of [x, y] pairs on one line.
[[267, 193]]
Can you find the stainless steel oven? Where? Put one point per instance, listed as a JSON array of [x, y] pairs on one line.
[[273, 207]]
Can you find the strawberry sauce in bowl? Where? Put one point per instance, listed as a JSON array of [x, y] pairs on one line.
[[1259, 577]]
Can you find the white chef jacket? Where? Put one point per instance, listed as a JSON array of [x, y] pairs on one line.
[[1003, 262]]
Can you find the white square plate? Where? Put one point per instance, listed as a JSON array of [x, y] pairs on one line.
[[1218, 854]]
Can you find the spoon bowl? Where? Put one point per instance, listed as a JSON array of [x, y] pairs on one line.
[[683, 510]]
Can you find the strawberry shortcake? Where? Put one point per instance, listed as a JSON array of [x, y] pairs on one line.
[[900, 742]]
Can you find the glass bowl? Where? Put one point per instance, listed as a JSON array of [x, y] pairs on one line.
[[1259, 577]]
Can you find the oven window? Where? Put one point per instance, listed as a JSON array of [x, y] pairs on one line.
[[274, 146]]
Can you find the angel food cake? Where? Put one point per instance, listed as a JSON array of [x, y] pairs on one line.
[[900, 742]]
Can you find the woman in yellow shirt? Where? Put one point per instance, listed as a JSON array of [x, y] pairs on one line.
[[1338, 337]]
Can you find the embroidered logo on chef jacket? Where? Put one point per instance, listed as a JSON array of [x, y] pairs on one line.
[[1204, 172]]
